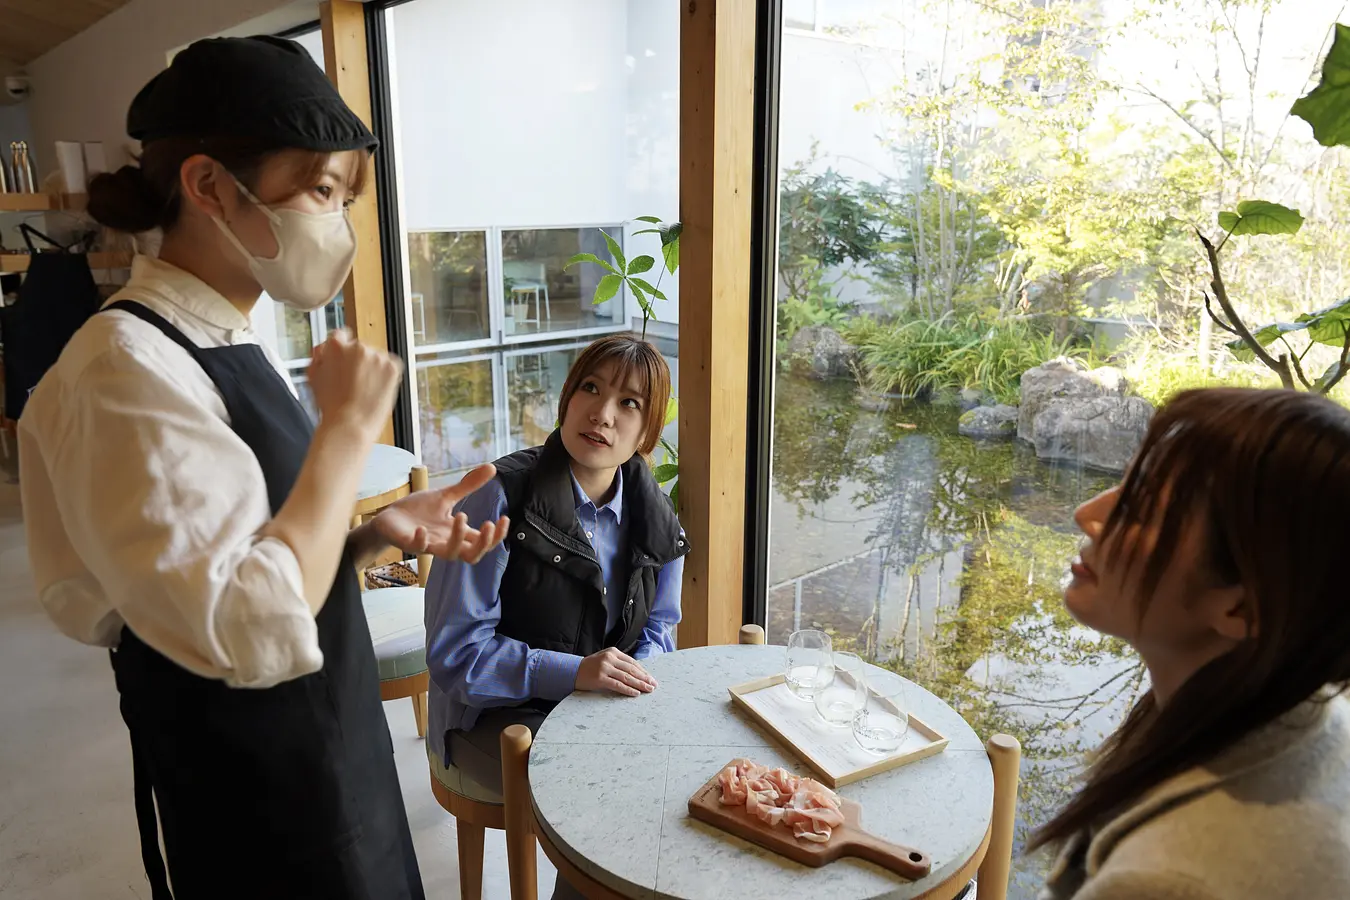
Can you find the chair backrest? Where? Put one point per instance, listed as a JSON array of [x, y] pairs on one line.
[[418, 480], [523, 270]]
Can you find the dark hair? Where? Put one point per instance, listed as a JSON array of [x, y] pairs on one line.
[[630, 354], [146, 195], [1267, 472]]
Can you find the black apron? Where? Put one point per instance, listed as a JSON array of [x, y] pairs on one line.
[[56, 297], [288, 791]]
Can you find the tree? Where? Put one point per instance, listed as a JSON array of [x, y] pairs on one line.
[[1325, 109]]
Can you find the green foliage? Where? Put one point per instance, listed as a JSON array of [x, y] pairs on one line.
[[624, 272], [917, 357], [1327, 107], [1261, 217], [824, 223], [813, 304]]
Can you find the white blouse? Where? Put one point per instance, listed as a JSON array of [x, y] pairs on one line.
[[143, 507]]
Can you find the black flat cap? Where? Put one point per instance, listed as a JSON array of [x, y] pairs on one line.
[[264, 87]]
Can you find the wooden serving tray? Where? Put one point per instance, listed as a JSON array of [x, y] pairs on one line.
[[831, 752], [848, 839]]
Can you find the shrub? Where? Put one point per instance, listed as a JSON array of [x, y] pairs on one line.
[[917, 357]]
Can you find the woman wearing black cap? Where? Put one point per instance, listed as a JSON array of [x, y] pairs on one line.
[[181, 509]]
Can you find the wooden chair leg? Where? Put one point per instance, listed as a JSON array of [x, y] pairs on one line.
[[520, 845], [1005, 755], [470, 860], [419, 702], [752, 634]]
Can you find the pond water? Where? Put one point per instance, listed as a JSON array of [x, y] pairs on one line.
[[944, 558]]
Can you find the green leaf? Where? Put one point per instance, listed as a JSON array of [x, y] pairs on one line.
[[638, 282], [665, 472], [651, 219], [615, 251], [675, 497], [671, 254], [640, 265], [671, 452], [1320, 385], [1261, 217], [607, 288], [672, 413], [648, 231], [1327, 107], [671, 233], [588, 258], [1264, 336], [1328, 326]]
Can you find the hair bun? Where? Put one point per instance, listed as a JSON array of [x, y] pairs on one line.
[[125, 200]]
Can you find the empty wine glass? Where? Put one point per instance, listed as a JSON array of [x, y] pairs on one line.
[[881, 724], [809, 664], [846, 694]]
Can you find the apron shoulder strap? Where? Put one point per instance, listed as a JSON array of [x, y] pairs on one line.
[[148, 315]]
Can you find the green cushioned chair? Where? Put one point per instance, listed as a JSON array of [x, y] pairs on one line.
[[475, 808], [395, 619]]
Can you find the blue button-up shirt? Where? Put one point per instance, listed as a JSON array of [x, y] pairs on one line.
[[474, 668]]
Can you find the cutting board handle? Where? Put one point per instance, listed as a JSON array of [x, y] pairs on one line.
[[912, 864]]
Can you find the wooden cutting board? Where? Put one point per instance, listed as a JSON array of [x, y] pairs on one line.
[[848, 840]]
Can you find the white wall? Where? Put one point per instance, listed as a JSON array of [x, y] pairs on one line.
[[512, 113], [652, 134], [81, 89]]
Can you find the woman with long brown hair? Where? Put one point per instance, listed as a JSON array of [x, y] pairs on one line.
[[1220, 559]]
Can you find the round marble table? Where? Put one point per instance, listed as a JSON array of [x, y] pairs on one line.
[[611, 778], [385, 475]]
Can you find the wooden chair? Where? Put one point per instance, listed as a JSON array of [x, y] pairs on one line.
[[475, 808], [992, 860], [395, 615]]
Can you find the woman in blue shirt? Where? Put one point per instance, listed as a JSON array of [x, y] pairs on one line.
[[587, 584]]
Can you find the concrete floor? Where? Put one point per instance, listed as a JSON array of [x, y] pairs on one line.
[[67, 827]]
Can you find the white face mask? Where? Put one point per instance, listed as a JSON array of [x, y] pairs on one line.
[[314, 254]]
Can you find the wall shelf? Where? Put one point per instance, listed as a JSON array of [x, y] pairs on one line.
[[18, 262], [41, 202]]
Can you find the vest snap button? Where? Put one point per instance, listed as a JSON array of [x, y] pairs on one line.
[[557, 559], [521, 536]]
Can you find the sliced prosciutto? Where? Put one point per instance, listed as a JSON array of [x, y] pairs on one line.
[[778, 797]]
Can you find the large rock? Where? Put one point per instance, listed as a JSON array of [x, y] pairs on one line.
[[1063, 379], [820, 352], [1100, 432], [989, 422]]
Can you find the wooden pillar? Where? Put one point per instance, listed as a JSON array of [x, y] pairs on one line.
[[344, 50], [717, 64]]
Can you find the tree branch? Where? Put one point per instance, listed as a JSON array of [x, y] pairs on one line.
[[1340, 367], [1298, 367], [1209, 139], [1278, 366], [1217, 321]]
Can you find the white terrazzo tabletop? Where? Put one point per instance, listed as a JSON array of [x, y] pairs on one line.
[[611, 778], [386, 469]]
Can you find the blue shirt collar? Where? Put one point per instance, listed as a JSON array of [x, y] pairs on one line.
[[615, 506]]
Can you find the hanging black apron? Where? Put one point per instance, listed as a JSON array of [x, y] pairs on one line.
[[56, 296], [288, 791]]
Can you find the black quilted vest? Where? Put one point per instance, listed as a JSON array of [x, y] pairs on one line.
[[552, 591]]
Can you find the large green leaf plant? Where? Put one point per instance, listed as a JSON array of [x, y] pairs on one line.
[[1327, 109], [633, 273]]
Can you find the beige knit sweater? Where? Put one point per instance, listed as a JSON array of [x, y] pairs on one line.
[[1267, 820]]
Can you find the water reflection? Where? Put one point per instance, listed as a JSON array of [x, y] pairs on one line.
[[944, 558]]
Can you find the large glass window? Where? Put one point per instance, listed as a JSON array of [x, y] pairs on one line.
[[526, 133], [972, 191], [449, 300], [543, 295]]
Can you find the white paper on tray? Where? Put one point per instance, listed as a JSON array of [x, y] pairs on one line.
[[834, 749]]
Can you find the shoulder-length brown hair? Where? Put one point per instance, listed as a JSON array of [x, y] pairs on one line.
[[629, 355], [1267, 473]]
